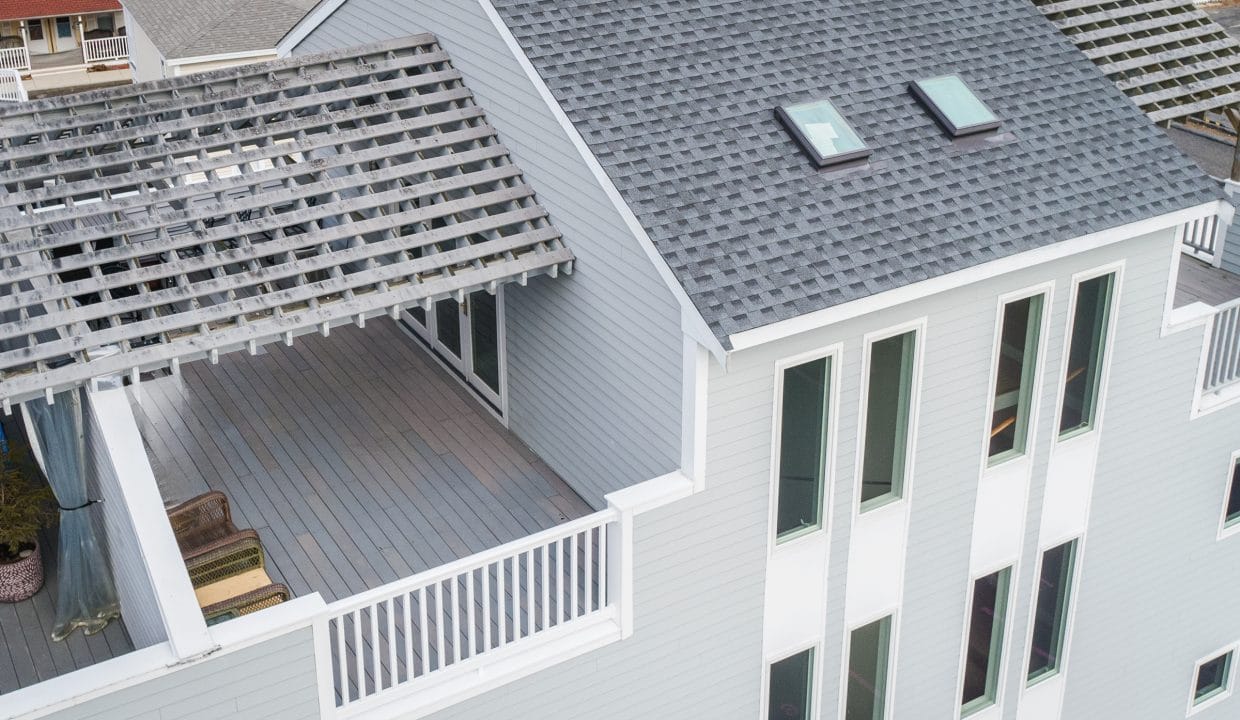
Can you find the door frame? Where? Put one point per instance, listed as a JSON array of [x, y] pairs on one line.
[[462, 368]]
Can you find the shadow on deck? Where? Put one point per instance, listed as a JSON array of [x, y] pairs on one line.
[[356, 457]]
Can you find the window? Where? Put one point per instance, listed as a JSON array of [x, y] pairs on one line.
[[104, 22], [64, 27], [1014, 376], [802, 447], [35, 29], [822, 132], [954, 105], [984, 648], [1213, 678], [866, 693], [791, 687], [1089, 333], [1233, 496], [1050, 618], [888, 404]]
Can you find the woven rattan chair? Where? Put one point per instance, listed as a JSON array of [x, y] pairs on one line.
[[201, 522], [238, 553], [253, 601]]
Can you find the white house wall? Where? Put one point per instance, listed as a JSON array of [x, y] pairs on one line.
[[594, 359], [144, 58]]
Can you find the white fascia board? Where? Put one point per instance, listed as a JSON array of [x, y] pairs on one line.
[[242, 55], [308, 24], [692, 322], [978, 273]]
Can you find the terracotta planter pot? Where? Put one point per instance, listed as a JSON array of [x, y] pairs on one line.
[[22, 579]]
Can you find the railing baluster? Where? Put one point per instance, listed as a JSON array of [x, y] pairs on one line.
[[602, 567], [342, 667], [529, 593], [559, 581], [574, 577], [376, 652], [359, 654], [456, 619], [439, 629], [407, 623], [424, 633], [501, 600], [546, 586], [589, 563], [391, 642], [486, 608], [471, 629]]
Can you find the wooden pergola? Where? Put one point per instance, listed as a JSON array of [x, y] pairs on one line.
[[146, 225], [1167, 55]]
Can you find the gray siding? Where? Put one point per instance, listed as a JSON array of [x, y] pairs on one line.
[[133, 582], [1231, 248], [274, 680], [593, 358]]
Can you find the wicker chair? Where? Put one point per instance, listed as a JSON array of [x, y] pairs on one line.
[[253, 601], [200, 523], [238, 553]]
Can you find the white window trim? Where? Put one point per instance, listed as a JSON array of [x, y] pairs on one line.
[[919, 328], [1232, 648], [1006, 649], [1047, 291], [1070, 612], [893, 649], [835, 355], [1225, 530], [1108, 350], [814, 675]]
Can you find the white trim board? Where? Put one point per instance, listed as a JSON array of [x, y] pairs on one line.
[[240, 55], [978, 273]]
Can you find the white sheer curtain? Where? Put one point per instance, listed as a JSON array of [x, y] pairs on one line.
[[86, 595]]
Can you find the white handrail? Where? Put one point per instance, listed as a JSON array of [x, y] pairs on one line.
[[14, 59], [101, 49], [11, 88], [400, 633]]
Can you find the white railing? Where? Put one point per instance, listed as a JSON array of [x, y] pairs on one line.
[[14, 59], [1201, 237], [393, 637], [100, 49], [1223, 349], [11, 89]]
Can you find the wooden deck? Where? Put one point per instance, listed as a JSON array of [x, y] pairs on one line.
[[27, 653], [356, 457], [1200, 282]]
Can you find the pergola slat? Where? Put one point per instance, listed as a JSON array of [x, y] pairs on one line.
[[209, 213]]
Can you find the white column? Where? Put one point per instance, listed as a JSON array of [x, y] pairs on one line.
[[82, 36]]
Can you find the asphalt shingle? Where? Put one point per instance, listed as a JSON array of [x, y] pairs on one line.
[[676, 99], [194, 28]]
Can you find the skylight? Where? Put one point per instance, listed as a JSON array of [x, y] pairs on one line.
[[954, 105], [824, 134]]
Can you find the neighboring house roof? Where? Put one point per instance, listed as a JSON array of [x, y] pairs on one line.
[[676, 100], [196, 28], [1167, 55], [18, 9], [218, 211]]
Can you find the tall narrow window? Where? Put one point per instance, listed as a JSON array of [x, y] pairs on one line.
[[868, 650], [1014, 376], [802, 447], [1089, 334], [1050, 619], [791, 687], [888, 404], [1233, 496], [985, 642], [1213, 678]]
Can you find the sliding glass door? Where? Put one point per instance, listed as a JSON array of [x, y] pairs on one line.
[[468, 337]]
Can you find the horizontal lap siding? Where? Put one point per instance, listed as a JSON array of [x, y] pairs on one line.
[[1158, 589], [133, 582], [274, 680], [594, 358]]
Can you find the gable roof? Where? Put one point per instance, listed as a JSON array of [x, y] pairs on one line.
[[196, 28], [1167, 55], [147, 224], [675, 98], [20, 9]]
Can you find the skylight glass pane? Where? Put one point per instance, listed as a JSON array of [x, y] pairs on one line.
[[823, 132], [954, 105]]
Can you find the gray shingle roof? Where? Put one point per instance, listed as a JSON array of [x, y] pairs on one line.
[[675, 97], [193, 28]]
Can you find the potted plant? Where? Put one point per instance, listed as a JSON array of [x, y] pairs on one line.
[[27, 506]]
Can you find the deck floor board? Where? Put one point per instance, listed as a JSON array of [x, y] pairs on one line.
[[358, 458]]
